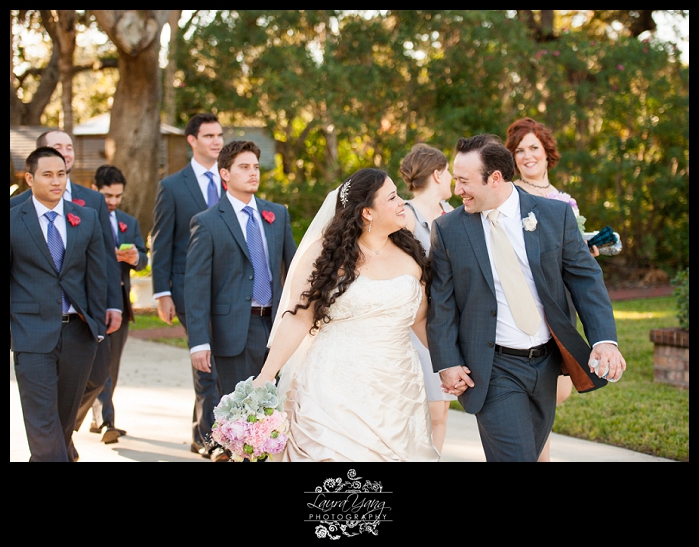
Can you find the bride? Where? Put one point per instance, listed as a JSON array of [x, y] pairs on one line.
[[352, 379]]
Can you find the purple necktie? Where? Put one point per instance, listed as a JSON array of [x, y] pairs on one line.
[[55, 243], [262, 286], [211, 190]]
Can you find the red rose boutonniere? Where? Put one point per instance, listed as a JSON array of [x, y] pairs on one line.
[[80, 202], [73, 219], [268, 216], [122, 227]]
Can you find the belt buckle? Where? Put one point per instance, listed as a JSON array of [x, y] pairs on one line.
[[65, 318], [531, 352]]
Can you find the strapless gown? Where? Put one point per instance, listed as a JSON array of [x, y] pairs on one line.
[[359, 392]]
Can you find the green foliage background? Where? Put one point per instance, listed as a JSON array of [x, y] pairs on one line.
[[340, 90]]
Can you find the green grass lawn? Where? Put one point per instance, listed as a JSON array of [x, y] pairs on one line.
[[636, 413]]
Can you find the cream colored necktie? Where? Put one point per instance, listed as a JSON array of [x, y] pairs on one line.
[[517, 293]]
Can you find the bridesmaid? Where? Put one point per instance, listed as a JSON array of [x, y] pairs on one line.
[[425, 170]]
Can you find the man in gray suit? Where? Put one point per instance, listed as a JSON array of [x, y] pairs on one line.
[[86, 197], [504, 374], [58, 297], [181, 196], [238, 254]]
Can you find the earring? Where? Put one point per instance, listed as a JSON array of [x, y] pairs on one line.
[[371, 222]]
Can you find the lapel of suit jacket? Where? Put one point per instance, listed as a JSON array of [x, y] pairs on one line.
[[230, 218], [192, 184], [31, 221], [532, 240], [473, 227], [119, 235], [270, 234], [71, 231]]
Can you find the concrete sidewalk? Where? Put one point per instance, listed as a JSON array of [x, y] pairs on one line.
[[154, 400]]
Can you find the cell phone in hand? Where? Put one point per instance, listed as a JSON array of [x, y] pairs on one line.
[[125, 246]]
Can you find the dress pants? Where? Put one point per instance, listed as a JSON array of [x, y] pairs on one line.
[[239, 368], [520, 407], [117, 341], [207, 395], [99, 373], [51, 386]]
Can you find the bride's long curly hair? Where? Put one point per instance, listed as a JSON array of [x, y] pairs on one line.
[[336, 267]]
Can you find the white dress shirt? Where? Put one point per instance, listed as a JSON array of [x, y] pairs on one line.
[[203, 180], [507, 334]]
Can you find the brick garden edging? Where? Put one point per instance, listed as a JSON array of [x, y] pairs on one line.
[[671, 356]]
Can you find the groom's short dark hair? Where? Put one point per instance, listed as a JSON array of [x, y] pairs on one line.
[[493, 154]]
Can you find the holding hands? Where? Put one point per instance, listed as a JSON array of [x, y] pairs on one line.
[[456, 380]]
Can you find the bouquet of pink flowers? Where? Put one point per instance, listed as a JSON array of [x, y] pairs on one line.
[[250, 422]]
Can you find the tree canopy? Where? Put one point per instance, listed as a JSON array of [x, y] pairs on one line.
[[342, 89]]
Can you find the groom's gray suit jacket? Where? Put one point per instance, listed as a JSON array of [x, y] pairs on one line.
[[463, 310], [219, 274]]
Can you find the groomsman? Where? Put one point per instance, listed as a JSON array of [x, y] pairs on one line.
[[498, 325], [58, 295], [132, 255], [238, 253], [86, 197], [181, 196]]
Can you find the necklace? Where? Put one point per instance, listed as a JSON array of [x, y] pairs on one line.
[[377, 251], [548, 185]]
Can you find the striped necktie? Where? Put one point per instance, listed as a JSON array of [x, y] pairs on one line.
[[262, 286], [55, 243]]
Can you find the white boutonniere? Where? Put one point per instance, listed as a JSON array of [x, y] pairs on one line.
[[529, 222]]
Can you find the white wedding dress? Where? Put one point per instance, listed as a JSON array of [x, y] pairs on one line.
[[358, 391]]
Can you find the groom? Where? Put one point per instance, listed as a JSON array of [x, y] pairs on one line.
[[238, 254], [504, 366]]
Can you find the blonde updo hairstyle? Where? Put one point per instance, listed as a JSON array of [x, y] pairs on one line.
[[417, 167]]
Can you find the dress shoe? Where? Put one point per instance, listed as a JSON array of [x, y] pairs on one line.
[[94, 428], [219, 455], [198, 448], [110, 436]]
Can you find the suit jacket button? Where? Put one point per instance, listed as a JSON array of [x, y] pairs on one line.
[[251, 277], [248, 298], [491, 344], [493, 313]]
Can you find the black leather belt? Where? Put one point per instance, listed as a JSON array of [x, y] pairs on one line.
[[68, 317], [531, 353], [261, 312]]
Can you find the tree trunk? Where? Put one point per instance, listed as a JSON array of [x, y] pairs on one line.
[[133, 142], [169, 105], [65, 33]]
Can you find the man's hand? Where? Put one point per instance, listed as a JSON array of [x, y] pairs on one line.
[[201, 360], [456, 380], [113, 321], [610, 363], [166, 309], [130, 256]]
